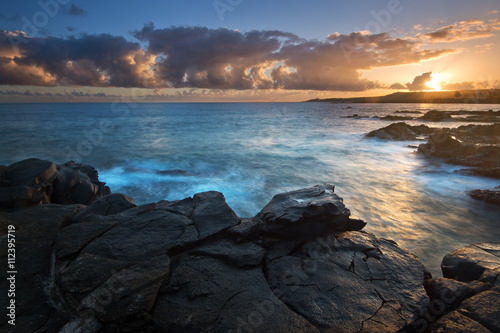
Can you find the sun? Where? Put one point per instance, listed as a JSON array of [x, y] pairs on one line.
[[437, 79]]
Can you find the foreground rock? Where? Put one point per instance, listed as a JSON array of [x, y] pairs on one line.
[[301, 265], [33, 181], [467, 298]]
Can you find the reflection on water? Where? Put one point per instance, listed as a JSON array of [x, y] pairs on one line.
[[252, 151]]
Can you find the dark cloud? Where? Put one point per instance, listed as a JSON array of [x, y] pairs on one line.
[[89, 60], [74, 10], [198, 57], [71, 29], [419, 82]]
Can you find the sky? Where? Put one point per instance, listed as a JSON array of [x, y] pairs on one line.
[[242, 50]]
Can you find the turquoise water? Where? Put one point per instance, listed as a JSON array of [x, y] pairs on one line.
[[251, 151]]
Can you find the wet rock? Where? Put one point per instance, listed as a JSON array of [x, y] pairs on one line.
[[447, 147], [490, 196], [455, 322], [434, 115], [323, 280], [483, 308], [307, 212], [450, 293], [480, 261], [77, 183], [207, 295], [401, 131]]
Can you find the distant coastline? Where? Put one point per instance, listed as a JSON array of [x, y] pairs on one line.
[[484, 96]]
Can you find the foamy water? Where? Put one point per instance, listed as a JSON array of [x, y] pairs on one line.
[[252, 151]]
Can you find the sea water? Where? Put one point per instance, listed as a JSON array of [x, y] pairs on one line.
[[252, 151]]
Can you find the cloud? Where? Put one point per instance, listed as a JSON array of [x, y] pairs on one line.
[[464, 30], [74, 10], [89, 60], [419, 82], [397, 86], [199, 57], [458, 86]]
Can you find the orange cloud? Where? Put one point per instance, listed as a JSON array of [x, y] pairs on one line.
[[464, 30]]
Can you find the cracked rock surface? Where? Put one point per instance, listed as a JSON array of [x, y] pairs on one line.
[[192, 265]]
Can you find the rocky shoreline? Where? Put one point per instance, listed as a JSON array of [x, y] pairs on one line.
[[476, 147], [87, 260]]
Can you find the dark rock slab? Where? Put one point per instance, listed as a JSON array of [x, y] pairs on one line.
[[212, 214], [109, 205], [240, 254], [307, 212], [207, 295], [350, 282], [125, 298], [87, 272], [75, 237], [36, 230]]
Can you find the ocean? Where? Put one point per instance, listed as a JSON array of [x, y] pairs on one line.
[[252, 151]]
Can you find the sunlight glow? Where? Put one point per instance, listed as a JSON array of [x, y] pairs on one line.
[[437, 80]]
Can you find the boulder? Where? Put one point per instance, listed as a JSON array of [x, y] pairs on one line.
[[480, 261], [77, 183], [455, 322], [26, 183], [34, 181], [306, 213]]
